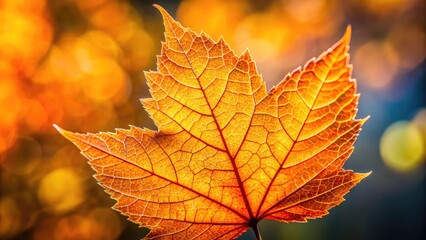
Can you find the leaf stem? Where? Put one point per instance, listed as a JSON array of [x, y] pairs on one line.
[[256, 232]]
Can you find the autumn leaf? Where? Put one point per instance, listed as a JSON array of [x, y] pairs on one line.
[[228, 153]]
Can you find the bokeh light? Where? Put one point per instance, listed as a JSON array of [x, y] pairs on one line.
[[409, 43], [79, 63], [61, 190], [402, 146], [377, 64]]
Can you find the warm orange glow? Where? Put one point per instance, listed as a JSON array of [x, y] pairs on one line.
[[38, 115], [286, 33], [12, 109], [42, 82], [234, 153], [35, 6], [19, 30], [221, 13], [305, 11], [8, 138]]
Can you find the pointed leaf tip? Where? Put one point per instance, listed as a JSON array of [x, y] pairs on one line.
[[348, 30], [164, 13], [160, 8], [347, 36], [169, 22], [67, 134], [365, 119], [60, 130], [57, 127]]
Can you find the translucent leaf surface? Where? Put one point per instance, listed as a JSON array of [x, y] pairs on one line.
[[228, 153]]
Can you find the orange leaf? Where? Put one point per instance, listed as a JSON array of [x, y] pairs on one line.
[[227, 153]]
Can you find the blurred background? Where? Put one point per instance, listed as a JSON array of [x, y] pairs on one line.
[[79, 63]]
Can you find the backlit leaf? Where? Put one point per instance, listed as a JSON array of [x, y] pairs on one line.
[[228, 153]]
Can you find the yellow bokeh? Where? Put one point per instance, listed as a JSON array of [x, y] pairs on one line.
[[18, 32], [61, 190], [402, 146], [221, 13], [35, 6]]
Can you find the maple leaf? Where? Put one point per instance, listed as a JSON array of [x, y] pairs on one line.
[[227, 153]]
